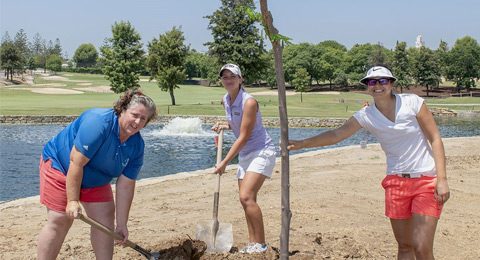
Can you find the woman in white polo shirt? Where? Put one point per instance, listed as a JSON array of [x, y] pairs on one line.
[[256, 152], [416, 184]]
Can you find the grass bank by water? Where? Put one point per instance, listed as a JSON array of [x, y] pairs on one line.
[[190, 99]]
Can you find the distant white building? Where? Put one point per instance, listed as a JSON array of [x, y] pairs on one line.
[[419, 43]]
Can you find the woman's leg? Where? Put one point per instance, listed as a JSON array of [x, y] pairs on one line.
[[402, 229], [423, 235], [104, 213], [249, 187], [52, 235]]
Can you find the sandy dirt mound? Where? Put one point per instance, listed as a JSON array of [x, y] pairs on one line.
[[181, 249], [84, 84], [324, 93], [272, 93], [336, 200], [55, 78], [61, 78], [49, 85], [61, 91], [98, 89], [291, 93]]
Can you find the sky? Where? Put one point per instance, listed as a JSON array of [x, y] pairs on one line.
[[348, 22]]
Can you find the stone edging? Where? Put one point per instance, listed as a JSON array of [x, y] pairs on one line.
[[267, 121]]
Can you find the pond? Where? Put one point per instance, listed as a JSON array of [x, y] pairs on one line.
[[182, 145]]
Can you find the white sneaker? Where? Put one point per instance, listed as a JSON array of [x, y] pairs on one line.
[[246, 249], [258, 248], [254, 248]]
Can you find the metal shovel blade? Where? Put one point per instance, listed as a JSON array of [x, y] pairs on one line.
[[216, 243]]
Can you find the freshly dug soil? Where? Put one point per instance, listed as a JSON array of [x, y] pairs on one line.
[[336, 200]]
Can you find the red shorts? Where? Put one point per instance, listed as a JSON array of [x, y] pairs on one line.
[[404, 196], [53, 193]]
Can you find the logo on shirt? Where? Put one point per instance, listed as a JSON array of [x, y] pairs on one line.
[[85, 147], [124, 163], [237, 113]]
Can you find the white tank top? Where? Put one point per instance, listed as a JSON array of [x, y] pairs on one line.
[[259, 139]]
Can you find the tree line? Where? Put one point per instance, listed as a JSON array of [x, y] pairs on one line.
[[18, 55], [236, 39]]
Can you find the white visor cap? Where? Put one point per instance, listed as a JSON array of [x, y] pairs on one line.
[[377, 71], [232, 68]]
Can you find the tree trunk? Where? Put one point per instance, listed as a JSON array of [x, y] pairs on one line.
[[172, 97], [427, 91], [282, 107]]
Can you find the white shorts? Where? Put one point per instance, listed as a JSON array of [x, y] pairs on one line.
[[261, 162]]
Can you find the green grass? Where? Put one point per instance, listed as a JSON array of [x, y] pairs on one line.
[[190, 100]]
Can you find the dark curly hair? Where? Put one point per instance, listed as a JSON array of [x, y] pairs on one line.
[[133, 97]]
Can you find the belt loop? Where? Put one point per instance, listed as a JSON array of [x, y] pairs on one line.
[[405, 175]]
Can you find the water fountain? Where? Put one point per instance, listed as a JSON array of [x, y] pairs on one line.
[[182, 145]]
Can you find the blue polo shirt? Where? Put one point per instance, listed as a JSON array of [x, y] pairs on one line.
[[96, 135]]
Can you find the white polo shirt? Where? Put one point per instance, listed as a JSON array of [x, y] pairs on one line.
[[403, 141]]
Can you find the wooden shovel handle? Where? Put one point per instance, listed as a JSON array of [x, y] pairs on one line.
[[112, 234], [216, 194], [219, 157]]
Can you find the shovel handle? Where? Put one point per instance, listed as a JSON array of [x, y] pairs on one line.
[[219, 157], [114, 235], [216, 195]]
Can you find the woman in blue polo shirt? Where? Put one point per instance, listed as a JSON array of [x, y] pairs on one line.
[[256, 152], [78, 164]]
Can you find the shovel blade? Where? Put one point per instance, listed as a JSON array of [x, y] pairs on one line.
[[223, 238]]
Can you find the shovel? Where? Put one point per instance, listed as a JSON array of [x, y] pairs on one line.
[[149, 255], [218, 236]]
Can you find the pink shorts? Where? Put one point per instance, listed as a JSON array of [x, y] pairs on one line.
[[53, 193], [404, 196]]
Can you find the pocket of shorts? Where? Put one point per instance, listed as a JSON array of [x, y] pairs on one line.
[[268, 152], [387, 181]]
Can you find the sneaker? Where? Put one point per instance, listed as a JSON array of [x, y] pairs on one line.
[[258, 248], [247, 248], [254, 248]]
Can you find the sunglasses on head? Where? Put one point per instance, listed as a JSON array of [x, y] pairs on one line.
[[382, 81]]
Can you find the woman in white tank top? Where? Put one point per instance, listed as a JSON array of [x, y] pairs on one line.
[[256, 152], [416, 184]]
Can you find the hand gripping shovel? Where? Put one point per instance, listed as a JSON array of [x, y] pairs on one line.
[[149, 255], [218, 236]]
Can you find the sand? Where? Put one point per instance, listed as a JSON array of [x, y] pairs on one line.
[[98, 89], [52, 91], [291, 93], [271, 93], [336, 203]]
